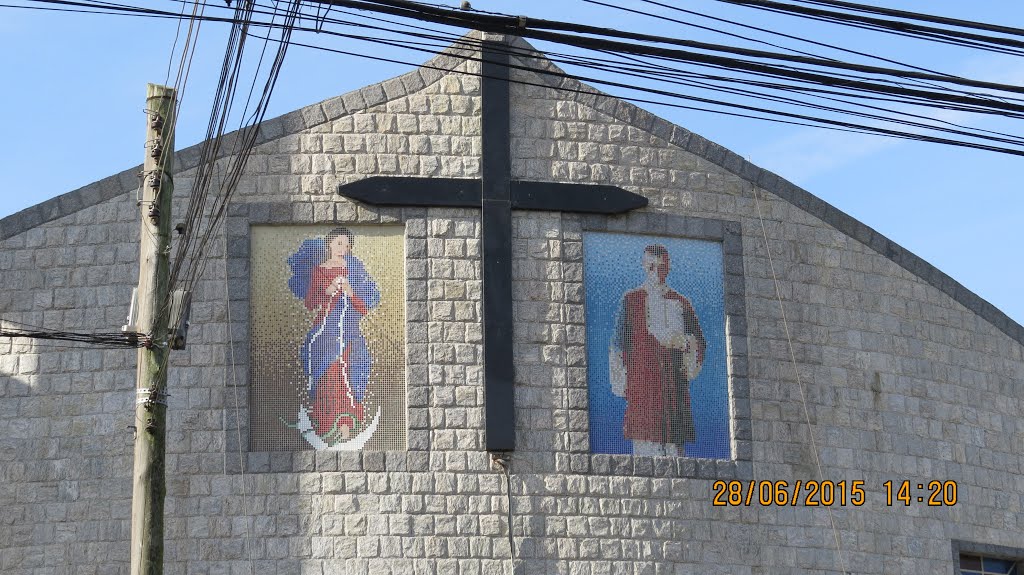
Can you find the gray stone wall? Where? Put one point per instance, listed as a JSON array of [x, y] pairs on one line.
[[903, 376]]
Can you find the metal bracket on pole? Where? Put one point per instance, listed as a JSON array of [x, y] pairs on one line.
[[133, 313], [181, 310]]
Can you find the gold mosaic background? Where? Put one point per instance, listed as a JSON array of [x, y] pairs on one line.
[[280, 322]]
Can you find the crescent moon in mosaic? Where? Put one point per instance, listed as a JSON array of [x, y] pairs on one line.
[[354, 444]]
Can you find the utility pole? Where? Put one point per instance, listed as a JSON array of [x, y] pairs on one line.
[[149, 487]]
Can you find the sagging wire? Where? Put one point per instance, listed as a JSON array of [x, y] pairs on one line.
[[799, 380], [504, 461]]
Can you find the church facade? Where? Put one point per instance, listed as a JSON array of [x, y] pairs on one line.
[[457, 325]]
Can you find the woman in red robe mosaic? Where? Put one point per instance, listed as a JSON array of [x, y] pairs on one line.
[[333, 283]]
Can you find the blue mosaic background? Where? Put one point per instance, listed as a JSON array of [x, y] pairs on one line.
[[611, 267]]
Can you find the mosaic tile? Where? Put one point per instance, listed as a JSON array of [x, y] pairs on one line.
[[656, 353], [328, 338]]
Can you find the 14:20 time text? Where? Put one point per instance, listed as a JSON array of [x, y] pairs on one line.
[[828, 493]]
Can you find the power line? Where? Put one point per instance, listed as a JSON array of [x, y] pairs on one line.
[[787, 72], [794, 119], [667, 74], [1004, 134], [191, 251], [763, 30], [833, 86], [174, 45], [537, 28], [98, 339], [914, 100], [918, 16], [842, 84], [980, 41]]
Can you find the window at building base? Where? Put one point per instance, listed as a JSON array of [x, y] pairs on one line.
[[983, 565]]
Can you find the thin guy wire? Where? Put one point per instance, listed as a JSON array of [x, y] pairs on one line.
[[182, 80], [255, 76], [504, 464], [238, 421], [799, 381]]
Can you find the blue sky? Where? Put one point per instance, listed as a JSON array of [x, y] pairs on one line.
[[72, 104]]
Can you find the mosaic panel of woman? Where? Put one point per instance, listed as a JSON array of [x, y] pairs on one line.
[[333, 284]]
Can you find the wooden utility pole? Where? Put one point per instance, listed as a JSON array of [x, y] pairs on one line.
[[149, 487]]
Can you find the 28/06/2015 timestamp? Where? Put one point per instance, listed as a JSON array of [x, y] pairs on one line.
[[828, 493]]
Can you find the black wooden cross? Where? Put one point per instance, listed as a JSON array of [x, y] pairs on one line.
[[496, 194]]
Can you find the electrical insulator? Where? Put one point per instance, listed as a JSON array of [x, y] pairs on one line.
[[157, 148]]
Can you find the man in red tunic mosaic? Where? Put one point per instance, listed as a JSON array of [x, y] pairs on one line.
[[657, 350]]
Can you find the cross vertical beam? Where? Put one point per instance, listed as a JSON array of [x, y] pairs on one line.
[[496, 194], [496, 250]]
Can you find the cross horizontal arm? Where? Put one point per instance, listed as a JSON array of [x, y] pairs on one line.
[[586, 198], [465, 193], [428, 192]]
